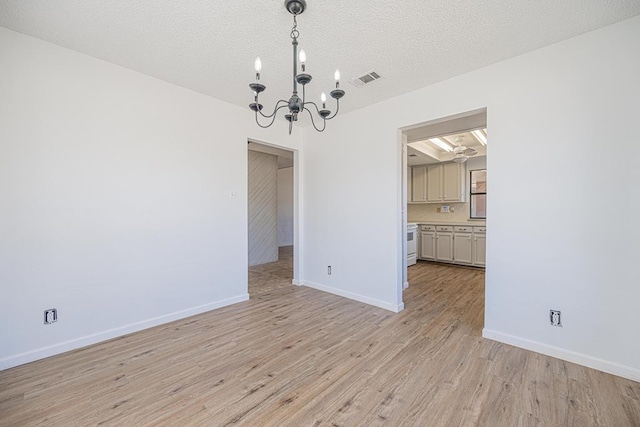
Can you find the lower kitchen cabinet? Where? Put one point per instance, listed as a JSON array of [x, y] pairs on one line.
[[479, 246], [444, 243], [463, 245], [428, 242]]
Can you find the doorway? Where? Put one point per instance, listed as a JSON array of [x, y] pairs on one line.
[[271, 218], [444, 195]]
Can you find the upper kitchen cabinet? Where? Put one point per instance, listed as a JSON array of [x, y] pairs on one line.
[[443, 182], [446, 182], [418, 184]]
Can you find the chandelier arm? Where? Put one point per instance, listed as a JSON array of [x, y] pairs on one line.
[[324, 122], [275, 109], [337, 109], [314, 104], [273, 117], [269, 125]]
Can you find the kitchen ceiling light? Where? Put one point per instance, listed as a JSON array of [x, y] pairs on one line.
[[462, 153], [442, 144], [295, 104], [460, 158], [480, 136]]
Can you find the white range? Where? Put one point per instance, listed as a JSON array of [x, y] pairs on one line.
[[412, 243]]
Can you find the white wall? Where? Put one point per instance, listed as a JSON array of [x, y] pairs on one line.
[[561, 122], [352, 208], [285, 206], [116, 192], [474, 163]]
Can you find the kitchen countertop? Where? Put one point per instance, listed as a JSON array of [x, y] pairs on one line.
[[471, 222]]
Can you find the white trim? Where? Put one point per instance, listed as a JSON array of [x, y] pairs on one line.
[[564, 354], [402, 273], [296, 282], [354, 296], [76, 343]]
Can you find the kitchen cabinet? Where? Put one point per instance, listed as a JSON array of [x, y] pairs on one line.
[[445, 183], [444, 243], [463, 245], [453, 181], [419, 184], [434, 183], [479, 246], [409, 184], [457, 244], [428, 242]]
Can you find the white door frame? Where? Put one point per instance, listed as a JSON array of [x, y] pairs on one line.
[[297, 248]]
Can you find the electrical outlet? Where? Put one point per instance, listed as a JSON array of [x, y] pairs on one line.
[[329, 270], [554, 318], [50, 316]]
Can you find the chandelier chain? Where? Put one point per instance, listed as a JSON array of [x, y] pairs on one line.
[[294, 31]]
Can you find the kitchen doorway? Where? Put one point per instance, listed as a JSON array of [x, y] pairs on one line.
[[444, 200], [272, 218]]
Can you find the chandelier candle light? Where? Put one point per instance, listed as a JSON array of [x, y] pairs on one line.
[[295, 104]]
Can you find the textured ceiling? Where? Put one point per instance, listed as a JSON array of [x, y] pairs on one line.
[[209, 46]]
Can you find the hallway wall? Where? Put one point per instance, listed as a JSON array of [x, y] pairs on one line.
[[285, 207], [263, 207]]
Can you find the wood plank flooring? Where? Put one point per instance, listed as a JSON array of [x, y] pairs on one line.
[[274, 275], [296, 356]]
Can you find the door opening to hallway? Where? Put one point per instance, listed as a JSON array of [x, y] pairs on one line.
[[270, 218]]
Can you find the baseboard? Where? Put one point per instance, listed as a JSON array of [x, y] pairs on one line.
[[52, 350], [354, 296], [296, 282], [561, 353]]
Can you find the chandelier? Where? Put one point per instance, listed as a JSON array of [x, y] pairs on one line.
[[295, 104]]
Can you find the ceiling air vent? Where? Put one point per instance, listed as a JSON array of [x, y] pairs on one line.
[[365, 79]]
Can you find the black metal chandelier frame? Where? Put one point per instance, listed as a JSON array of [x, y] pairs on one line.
[[295, 104]]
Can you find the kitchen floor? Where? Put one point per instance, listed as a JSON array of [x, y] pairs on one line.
[[436, 281], [265, 278]]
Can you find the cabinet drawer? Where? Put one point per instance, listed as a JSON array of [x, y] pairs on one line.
[[479, 230], [428, 227], [444, 228], [462, 229]]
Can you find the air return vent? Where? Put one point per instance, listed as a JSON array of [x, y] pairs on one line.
[[365, 79]]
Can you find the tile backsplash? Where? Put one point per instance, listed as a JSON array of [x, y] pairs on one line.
[[430, 212]]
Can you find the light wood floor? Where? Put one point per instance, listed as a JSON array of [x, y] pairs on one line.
[[300, 357], [269, 277]]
